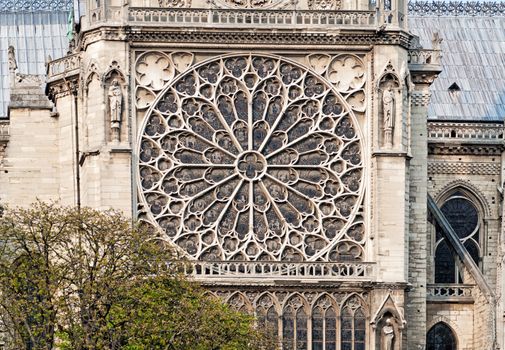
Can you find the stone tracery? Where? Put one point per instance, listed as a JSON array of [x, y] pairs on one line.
[[254, 158]]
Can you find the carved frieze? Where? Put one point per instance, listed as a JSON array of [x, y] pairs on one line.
[[325, 4], [474, 168], [253, 4], [420, 98], [174, 3]]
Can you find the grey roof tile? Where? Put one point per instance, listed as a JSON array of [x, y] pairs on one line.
[[34, 35], [474, 58]]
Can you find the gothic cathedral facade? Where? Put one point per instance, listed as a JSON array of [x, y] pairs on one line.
[[283, 147]]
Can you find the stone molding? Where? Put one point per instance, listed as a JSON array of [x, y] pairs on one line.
[[260, 39], [456, 8], [444, 167], [56, 91], [466, 149]]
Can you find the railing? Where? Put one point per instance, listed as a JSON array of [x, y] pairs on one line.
[[64, 66], [450, 293], [466, 131], [247, 18], [424, 57], [280, 270]]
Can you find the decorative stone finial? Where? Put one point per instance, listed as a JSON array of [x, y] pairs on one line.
[[13, 65]]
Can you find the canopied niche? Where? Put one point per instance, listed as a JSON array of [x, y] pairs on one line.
[[390, 105], [114, 83], [388, 324]]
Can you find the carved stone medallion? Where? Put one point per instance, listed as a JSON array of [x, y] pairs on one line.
[[253, 157]]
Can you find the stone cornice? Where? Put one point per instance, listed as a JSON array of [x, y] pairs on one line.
[[473, 168], [464, 149], [321, 286], [61, 89], [212, 38]]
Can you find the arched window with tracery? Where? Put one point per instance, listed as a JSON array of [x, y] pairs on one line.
[[465, 220], [440, 337], [267, 315], [294, 325], [352, 325], [324, 325]]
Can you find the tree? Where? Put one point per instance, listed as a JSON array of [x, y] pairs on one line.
[[81, 279]]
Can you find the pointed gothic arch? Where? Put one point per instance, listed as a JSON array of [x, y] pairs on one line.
[[353, 316], [295, 316], [240, 302], [463, 206], [324, 316], [441, 337]]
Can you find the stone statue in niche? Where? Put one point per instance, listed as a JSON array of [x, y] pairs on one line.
[[388, 335], [388, 111], [115, 108]]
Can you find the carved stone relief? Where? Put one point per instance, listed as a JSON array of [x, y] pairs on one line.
[[174, 3], [325, 4], [346, 72], [252, 4], [252, 157], [153, 70]]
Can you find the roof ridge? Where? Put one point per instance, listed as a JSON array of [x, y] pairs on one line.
[[456, 8], [34, 5]]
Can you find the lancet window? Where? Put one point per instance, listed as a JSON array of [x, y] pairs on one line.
[[465, 220], [353, 326], [440, 337], [294, 325], [324, 325]]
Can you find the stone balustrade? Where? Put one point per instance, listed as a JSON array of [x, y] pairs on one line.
[[424, 57], [281, 270], [465, 131], [63, 67], [450, 293], [248, 18]]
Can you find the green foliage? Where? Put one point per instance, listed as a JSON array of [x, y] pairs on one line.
[[82, 279], [175, 314]]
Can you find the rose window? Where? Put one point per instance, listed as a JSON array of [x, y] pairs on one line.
[[253, 158]]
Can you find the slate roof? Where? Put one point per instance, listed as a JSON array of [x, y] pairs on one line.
[[473, 50], [473, 57], [36, 29]]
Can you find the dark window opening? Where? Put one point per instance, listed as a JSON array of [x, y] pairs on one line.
[[440, 337]]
